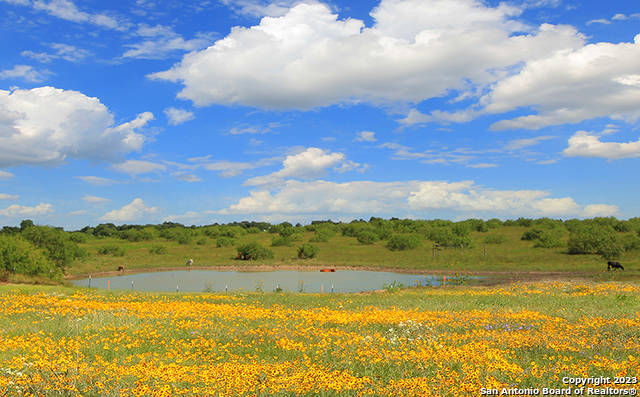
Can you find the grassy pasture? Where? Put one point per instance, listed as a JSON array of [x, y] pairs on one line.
[[514, 255], [445, 341]]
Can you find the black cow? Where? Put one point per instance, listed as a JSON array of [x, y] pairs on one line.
[[614, 265]]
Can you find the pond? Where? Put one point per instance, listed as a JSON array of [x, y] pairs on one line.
[[308, 281]]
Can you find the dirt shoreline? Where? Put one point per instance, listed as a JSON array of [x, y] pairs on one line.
[[493, 277]]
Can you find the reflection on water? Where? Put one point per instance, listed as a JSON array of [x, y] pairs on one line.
[[288, 280]]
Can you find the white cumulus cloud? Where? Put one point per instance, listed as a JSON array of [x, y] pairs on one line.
[[326, 199], [5, 175], [95, 200], [25, 72], [523, 143], [135, 211], [585, 144], [4, 196], [189, 218], [416, 50], [366, 136], [161, 41], [581, 83], [178, 116], [135, 167], [96, 180], [22, 211], [309, 164], [61, 51], [67, 10], [46, 125]]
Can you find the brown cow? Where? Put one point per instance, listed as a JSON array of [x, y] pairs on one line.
[[121, 268]]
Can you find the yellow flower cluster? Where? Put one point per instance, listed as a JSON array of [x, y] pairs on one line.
[[84, 343]]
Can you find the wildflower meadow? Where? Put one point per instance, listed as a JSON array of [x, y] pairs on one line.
[[530, 338]]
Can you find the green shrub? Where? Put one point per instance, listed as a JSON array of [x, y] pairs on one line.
[[323, 235], [19, 254], [549, 239], [135, 235], [254, 251], [308, 250], [401, 242], [79, 238], [232, 231], [184, 239], [450, 235], [115, 250], [366, 237], [158, 249], [254, 230], [287, 231], [105, 230], [596, 239], [57, 245], [202, 241], [547, 233], [494, 223], [224, 241], [631, 242], [526, 222]]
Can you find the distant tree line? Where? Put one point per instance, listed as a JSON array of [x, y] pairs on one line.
[[48, 251]]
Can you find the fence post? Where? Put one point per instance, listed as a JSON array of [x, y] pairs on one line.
[[461, 250], [485, 250]]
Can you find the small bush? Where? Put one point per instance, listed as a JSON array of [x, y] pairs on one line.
[[134, 235], [323, 235], [546, 233], [549, 240], [114, 250], [254, 251], [307, 250], [158, 249], [367, 238], [79, 238], [224, 241], [202, 241], [184, 239], [401, 242]]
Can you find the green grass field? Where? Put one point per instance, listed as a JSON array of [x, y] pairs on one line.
[[514, 255]]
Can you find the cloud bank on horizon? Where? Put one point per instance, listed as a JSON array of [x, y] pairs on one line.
[[301, 110]]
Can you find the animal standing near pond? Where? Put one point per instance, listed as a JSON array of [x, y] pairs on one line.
[[614, 265], [121, 268], [190, 262]]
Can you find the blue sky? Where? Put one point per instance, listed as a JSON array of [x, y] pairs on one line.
[[230, 110]]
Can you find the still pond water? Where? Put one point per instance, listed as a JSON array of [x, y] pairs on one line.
[[292, 281]]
